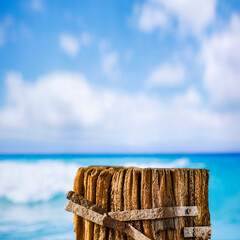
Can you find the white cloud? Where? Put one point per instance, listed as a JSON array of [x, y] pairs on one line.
[[61, 103], [109, 60], [110, 64], [189, 98], [221, 57], [64, 92], [69, 44], [191, 16], [166, 75], [151, 16], [37, 5]]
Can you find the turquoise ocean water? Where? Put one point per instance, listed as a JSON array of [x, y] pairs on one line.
[[33, 187]]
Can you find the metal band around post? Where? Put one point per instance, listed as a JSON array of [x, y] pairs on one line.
[[198, 232], [155, 213], [116, 220]]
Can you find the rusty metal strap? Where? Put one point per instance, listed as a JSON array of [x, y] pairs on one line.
[[155, 213], [116, 220], [198, 232], [141, 214], [104, 220]]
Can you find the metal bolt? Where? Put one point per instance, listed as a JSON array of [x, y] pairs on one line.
[[188, 210]]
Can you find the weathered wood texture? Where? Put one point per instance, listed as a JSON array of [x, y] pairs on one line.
[[118, 189]]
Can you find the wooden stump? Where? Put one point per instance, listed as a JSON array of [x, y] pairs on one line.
[[117, 188]]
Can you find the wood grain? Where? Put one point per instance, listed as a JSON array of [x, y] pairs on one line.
[[118, 188]]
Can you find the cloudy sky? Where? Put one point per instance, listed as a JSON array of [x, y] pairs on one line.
[[123, 76]]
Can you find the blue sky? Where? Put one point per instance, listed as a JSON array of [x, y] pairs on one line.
[[123, 76]]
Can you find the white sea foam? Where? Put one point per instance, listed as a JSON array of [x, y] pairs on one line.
[[23, 182], [178, 163]]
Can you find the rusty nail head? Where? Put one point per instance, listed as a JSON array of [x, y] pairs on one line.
[[188, 210]]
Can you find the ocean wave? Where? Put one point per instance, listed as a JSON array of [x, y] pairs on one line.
[[178, 163], [24, 182]]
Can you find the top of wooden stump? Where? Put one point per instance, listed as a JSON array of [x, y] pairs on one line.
[[139, 168]]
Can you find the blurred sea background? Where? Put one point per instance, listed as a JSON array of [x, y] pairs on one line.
[[33, 188], [149, 83]]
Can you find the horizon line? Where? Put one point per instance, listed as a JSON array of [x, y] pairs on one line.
[[122, 153]]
